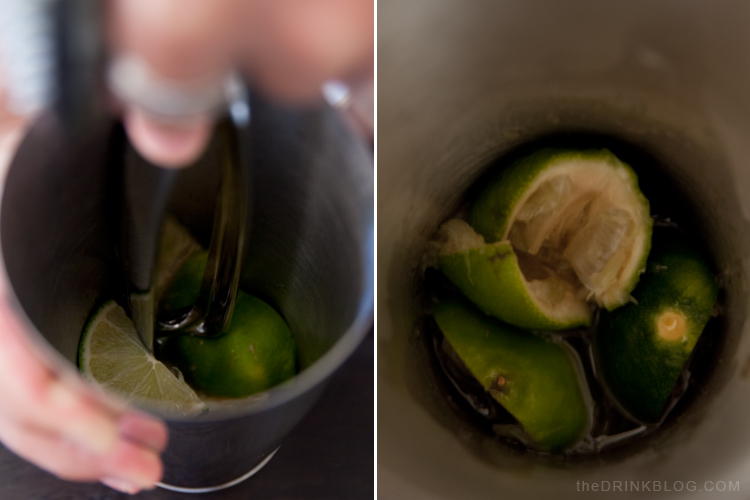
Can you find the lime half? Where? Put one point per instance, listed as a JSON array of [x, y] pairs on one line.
[[256, 353], [642, 348], [578, 215], [573, 228], [112, 356], [538, 381]]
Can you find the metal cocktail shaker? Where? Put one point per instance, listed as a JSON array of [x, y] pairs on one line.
[[461, 83], [310, 256]]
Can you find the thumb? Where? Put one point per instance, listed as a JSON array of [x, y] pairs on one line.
[[179, 41]]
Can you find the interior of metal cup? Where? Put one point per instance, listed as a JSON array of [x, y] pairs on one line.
[[309, 243], [671, 84]]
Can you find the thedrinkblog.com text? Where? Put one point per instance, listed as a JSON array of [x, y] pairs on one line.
[[651, 486]]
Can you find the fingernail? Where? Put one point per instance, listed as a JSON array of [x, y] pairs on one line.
[[94, 431], [171, 145], [134, 464], [121, 485]]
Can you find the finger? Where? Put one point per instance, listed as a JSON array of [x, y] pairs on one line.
[[62, 403], [30, 392], [356, 104], [11, 130], [121, 485], [294, 46], [68, 460], [179, 39], [144, 430], [134, 464], [171, 145], [37, 397], [65, 431]]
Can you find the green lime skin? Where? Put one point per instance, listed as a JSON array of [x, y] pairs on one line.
[[491, 278], [638, 359], [490, 213], [256, 353], [185, 287], [537, 380]]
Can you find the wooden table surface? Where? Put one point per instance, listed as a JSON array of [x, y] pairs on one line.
[[330, 455]]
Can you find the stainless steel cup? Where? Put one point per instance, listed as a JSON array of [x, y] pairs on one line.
[[463, 82], [310, 255]]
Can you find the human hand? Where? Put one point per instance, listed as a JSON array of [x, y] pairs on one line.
[[288, 49], [48, 415]]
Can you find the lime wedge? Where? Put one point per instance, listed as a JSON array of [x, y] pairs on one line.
[[112, 356], [492, 277], [576, 216], [176, 245], [537, 380], [642, 348]]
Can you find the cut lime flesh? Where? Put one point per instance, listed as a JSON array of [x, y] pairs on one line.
[[538, 381], [112, 356], [576, 215], [491, 276]]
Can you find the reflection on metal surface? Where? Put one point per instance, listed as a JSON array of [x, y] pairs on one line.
[[224, 486]]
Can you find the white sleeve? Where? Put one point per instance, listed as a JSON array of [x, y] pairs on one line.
[[26, 54]]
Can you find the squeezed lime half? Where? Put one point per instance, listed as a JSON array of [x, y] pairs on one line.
[[552, 233]]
